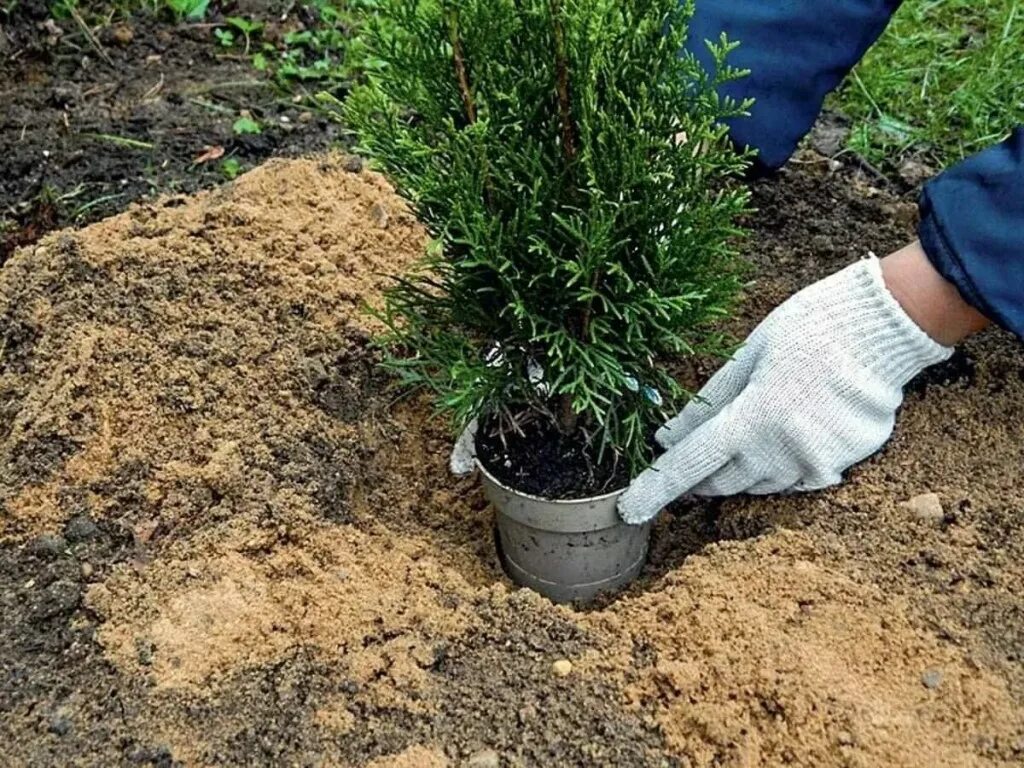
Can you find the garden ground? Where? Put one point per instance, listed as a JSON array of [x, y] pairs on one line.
[[224, 540]]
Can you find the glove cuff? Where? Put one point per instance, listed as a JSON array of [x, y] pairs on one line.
[[887, 341]]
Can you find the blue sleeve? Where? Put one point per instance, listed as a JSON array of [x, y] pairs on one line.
[[796, 50], [972, 216], [972, 228]]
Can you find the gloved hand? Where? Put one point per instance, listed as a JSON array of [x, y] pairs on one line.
[[813, 391]]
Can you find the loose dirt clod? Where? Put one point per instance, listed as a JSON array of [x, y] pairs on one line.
[[485, 758], [926, 506], [282, 567], [562, 668]]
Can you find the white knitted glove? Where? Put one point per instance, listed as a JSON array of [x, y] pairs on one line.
[[814, 390], [462, 461]]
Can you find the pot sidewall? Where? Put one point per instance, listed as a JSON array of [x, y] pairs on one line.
[[568, 550]]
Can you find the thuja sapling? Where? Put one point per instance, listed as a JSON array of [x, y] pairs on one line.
[[571, 164]]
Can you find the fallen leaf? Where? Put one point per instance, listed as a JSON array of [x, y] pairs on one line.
[[208, 154]]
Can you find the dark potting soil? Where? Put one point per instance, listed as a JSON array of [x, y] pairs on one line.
[[542, 461]]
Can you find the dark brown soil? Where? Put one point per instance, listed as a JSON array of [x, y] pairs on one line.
[[169, 87], [539, 460], [280, 570]]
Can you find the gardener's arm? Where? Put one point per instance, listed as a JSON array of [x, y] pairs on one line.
[[814, 390]]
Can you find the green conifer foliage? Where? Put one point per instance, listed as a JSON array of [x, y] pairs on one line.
[[571, 165]]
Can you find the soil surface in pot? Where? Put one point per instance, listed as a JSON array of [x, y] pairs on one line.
[[541, 461], [223, 542]]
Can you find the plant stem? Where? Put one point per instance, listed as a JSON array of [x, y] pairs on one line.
[[564, 94], [460, 65], [466, 91], [568, 418]]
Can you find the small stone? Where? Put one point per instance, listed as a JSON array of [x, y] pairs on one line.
[[379, 215], [353, 164], [305, 117], [905, 213], [59, 725], [562, 667], [47, 545], [829, 135], [144, 647], [932, 679], [485, 758], [845, 738], [913, 172], [526, 714], [58, 599], [87, 570], [926, 506], [822, 244], [80, 528], [123, 34]]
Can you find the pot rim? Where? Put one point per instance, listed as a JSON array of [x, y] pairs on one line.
[[523, 494]]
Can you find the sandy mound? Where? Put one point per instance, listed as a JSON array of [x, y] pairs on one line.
[[302, 582]]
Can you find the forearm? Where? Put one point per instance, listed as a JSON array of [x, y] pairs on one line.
[[929, 299], [972, 229]]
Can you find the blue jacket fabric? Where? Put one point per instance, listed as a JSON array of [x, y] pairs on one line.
[[972, 215]]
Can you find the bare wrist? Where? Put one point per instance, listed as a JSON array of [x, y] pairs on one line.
[[928, 298]]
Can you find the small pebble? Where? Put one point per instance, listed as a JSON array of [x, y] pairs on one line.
[[353, 164], [822, 244], [87, 570], [914, 173], [485, 758], [144, 648], [305, 117], [926, 506], [379, 215], [47, 545], [562, 667], [59, 725], [80, 528], [932, 679], [123, 34]]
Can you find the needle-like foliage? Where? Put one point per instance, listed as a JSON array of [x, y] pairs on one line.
[[570, 162]]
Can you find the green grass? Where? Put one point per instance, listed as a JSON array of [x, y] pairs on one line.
[[945, 80]]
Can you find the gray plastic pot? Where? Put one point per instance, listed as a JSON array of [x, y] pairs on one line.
[[567, 550]]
